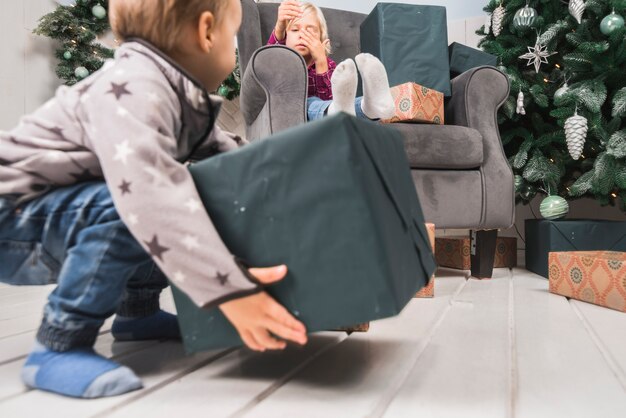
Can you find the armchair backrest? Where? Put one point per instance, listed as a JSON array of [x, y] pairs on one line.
[[344, 30]]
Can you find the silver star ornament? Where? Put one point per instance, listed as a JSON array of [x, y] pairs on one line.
[[537, 55]]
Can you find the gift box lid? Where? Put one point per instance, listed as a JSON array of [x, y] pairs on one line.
[[602, 255]]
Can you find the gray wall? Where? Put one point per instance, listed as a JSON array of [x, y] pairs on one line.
[[457, 9], [27, 64]]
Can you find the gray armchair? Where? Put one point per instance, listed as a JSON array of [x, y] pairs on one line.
[[460, 171]]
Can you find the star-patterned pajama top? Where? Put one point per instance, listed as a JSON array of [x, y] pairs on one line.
[[135, 123]]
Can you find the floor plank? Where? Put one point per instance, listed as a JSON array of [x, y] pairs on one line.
[[561, 372], [222, 387], [352, 377], [608, 328], [501, 347], [463, 371]]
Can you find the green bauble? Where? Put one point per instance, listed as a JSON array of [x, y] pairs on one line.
[[558, 95], [527, 192], [519, 181], [223, 91], [67, 55], [554, 207], [99, 11], [611, 23], [525, 18], [81, 72]]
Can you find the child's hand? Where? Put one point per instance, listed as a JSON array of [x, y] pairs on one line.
[[316, 47], [288, 10], [256, 316]]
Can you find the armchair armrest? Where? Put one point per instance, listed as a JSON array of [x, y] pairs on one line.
[[477, 95], [274, 91]]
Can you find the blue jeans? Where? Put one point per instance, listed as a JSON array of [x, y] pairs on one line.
[[317, 108], [74, 237]]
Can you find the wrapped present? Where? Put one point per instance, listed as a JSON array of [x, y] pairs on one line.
[[412, 43], [415, 103], [597, 277], [544, 236], [428, 291], [463, 58], [335, 204], [454, 252]]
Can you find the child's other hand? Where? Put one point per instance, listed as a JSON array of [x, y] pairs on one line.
[[256, 316], [288, 10]]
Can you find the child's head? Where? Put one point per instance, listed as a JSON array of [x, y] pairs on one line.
[[312, 19], [198, 34]]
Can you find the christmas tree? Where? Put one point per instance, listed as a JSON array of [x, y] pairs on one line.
[[563, 125], [76, 25]]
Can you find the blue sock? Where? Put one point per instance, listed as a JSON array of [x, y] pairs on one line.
[[160, 325], [80, 373]]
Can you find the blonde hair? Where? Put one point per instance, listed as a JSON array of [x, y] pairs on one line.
[[160, 22], [310, 7]]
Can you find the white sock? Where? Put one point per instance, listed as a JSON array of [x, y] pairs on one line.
[[377, 99], [344, 84]]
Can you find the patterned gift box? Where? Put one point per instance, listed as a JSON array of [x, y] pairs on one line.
[[597, 277], [429, 290], [415, 103], [454, 252]]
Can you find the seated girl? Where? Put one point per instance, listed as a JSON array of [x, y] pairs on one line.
[[332, 87]]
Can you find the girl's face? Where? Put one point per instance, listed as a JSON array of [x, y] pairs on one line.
[[310, 22]]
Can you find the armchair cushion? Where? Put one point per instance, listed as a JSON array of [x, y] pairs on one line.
[[442, 147]]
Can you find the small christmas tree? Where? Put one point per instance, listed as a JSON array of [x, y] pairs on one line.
[[77, 26], [563, 125]]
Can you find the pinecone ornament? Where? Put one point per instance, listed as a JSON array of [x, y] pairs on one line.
[[576, 129], [487, 30], [497, 19], [520, 104], [576, 9]]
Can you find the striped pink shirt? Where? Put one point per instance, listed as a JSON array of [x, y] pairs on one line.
[[319, 84]]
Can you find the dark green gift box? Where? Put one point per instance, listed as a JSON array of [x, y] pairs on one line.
[[544, 236], [332, 199], [412, 43], [464, 58]]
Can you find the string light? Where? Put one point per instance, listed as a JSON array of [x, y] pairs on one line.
[[557, 66], [614, 195]]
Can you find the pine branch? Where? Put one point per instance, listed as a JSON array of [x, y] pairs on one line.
[[619, 103]]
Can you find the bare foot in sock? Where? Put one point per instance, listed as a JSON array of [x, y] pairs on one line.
[[377, 99], [344, 84]]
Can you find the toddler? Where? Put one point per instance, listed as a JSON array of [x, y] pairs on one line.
[[95, 197], [332, 87]]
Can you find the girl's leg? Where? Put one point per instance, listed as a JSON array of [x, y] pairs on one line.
[[317, 108], [377, 101], [344, 85], [358, 109]]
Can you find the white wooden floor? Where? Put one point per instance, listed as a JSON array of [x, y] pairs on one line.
[[497, 348]]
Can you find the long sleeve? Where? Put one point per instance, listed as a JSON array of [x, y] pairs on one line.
[[135, 142], [320, 84], [274, 41]]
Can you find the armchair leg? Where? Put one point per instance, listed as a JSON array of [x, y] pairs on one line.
[[483, 252]]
